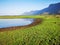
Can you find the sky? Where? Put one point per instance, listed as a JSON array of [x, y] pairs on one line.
[[17, 7]]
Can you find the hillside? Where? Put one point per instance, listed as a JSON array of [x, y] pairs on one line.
[[45, 33], [52, 9]]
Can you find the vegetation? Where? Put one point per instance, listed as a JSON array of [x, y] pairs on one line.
[[22, 16], [45, 33]]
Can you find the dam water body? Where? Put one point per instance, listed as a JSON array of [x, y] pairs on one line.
[[4, 23]]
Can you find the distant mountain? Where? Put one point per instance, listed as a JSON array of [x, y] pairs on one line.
[[52, 9]]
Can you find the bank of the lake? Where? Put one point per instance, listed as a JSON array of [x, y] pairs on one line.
[[35, 22]]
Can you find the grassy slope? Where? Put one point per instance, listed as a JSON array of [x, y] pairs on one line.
[[13, 17], [47, 33]]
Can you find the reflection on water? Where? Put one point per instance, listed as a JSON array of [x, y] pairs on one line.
[[14, 22]]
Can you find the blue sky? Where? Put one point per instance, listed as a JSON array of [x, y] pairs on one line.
[[17, 7]]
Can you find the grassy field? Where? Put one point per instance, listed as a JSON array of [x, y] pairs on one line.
[[22, 16], [45, 33]]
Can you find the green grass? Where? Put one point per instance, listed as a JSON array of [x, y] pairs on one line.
[[46, 33], [22, 16]]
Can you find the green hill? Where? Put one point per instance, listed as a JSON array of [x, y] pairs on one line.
[[45, 33]]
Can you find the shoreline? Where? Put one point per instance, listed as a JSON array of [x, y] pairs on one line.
[[36, 22]]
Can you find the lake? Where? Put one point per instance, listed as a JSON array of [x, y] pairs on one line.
[[14, 22]]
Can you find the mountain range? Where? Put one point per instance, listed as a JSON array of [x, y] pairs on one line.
[[51, 9]]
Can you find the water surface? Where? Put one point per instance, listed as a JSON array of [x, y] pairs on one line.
[[14, 22]]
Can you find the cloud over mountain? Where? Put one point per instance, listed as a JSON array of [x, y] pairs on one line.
[[51, 9]]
